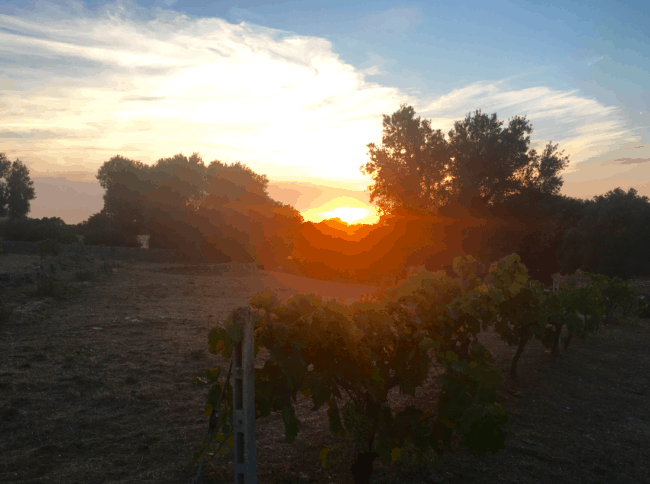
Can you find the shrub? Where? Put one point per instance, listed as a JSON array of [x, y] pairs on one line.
[[101, 229], [49, 287], [49, 247], [110, 237], [33, 230]]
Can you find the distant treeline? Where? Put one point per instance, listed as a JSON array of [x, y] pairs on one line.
[[214, 213], [481, 190]]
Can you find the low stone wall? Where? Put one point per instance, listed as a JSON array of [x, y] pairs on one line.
[[98, 252], [68, 261]]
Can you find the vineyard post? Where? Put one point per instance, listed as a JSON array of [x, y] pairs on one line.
[[244, 400]]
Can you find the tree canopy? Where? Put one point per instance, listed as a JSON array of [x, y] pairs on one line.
[[481, 163], [16, 188], [219, 212], [612, 238]]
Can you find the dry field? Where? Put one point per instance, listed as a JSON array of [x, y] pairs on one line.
[[95, 388]]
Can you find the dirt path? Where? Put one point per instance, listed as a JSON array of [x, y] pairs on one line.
[[95, 389]]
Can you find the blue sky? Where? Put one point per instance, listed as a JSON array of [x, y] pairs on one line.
[[296, 89]]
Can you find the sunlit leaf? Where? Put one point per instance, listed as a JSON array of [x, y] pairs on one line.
[[323, 457], [396, 454]]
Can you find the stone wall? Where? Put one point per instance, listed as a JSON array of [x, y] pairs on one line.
[[98, 252]]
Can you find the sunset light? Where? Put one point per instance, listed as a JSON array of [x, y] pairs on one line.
[[348, 209], [347, 214], [401, 216]]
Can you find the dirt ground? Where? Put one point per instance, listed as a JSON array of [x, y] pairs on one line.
[[95, 388]]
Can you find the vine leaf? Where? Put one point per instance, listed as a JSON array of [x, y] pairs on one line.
[[395, 454], [323, 457]]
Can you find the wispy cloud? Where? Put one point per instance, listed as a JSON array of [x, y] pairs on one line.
[[283, 103], [595, 59], [627, 161], [583, 127], [149, 83]]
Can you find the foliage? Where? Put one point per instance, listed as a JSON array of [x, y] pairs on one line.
[[48, 248], [213, 213], [543, 219], [613, 237], [350, 357], [33, 230], [16, 188], [481, 163], [102, 229], [327, 350], [614, 292], [50, 287], [521, 314], [411, 154]]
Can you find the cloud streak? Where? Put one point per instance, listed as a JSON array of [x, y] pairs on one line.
[[583, 127], [285, 104], [146, 84]]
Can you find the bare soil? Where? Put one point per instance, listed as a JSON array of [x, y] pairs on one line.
[[95, 388]]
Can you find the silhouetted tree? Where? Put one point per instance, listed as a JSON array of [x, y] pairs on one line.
[[613, 237], [216, 213], [16, 188], [5, 166], [410, 166], [126, 182], [481, 163], [491, 163], [101, 228]]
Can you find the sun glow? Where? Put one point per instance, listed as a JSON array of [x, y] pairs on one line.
[[347, 214], [349, 210]]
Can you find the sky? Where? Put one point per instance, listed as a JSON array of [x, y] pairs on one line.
[[296, 90]]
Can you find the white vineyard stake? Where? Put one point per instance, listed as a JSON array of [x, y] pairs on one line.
[[244, 400]]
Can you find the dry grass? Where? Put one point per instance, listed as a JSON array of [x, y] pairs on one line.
[[96, 387]]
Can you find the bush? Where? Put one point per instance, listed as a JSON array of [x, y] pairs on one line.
[[101, 229], [49, 247], [33, 230], [110, 237], [49, 287]]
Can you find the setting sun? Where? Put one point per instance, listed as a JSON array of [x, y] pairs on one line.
[[348, 209], [347, 214]]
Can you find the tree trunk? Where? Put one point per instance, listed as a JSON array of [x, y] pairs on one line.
[[362, 467], [524, 336], [568, 340]]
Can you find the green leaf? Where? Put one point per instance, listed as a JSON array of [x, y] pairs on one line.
[[236, 333], [396, 454], [291, 423], [451, 356], [212, 374], [426, 343], [231, 441], [323, 457], [376, 376], [336, 426]]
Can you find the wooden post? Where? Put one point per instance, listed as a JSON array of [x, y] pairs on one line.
[[244, 400]]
